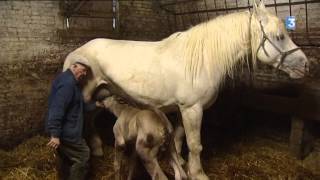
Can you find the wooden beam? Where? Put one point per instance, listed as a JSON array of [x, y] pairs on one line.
[[300, 138]]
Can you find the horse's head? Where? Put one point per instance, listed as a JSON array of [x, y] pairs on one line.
[[93, 79], [272, 44], [95, 88]]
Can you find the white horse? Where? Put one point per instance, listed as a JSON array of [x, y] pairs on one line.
[[186, 69]]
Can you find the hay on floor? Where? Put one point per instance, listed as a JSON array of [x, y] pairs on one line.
[[248, 158]]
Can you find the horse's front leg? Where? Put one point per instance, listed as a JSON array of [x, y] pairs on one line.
[[192, 119]]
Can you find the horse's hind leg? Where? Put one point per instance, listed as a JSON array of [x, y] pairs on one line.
[[149, 159], [192, 118]]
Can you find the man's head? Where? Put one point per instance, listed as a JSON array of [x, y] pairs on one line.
[[80, 69]]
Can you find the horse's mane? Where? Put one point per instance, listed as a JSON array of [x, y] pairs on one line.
[[217, 45]]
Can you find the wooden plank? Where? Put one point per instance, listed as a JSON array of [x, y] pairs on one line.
[[300, 138], [277, 104], [307, 106]]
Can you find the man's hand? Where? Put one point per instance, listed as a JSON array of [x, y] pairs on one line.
[[54, 142]]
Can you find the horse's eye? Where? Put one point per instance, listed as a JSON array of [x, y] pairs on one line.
[[280, 37]]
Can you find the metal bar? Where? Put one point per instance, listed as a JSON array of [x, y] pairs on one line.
[[246, 7], [205, 4], [237, 4], [215, 5], [191, 19], [306, 8], [275, 7], [225, 5], [182, 20], [118, 18], [179, 2], [175, 22], [290, 7], [79, 5], [200, 20]]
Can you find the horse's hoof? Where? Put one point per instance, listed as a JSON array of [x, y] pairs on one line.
[[97, 152]]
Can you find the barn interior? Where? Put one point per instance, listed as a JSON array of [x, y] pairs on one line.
[[264, 125]]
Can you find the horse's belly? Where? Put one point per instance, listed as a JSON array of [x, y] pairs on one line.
[[148, 87]]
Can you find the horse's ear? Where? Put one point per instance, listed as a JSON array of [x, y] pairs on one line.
[[258, 7], [261, 5], [260, 11], [255, 7]]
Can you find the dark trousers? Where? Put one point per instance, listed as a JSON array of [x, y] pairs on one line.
[[73, 160]]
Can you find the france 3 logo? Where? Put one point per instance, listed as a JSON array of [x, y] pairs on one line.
[[291, 22]]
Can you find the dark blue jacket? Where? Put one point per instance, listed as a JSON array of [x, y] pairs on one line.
[[65, 109]]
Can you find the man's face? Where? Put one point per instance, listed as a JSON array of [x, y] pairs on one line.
[[79, 71]]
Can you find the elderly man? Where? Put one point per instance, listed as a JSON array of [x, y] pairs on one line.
[[66, 119]]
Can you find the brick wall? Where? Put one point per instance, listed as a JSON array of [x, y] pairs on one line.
[[34, 41], [28, 28], [143, 20]]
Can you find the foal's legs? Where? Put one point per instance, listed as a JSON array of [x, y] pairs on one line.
[[192, 118], [149, 159], [118, 163], [119, 157], [132, 164], [96, 145], [179, 135], [179, 173]]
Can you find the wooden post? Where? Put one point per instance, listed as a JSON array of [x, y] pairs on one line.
[[300, 138]]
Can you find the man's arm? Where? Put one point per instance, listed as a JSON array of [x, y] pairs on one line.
[[57, 109]]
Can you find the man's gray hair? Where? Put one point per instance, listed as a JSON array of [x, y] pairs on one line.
[[83, 62]]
